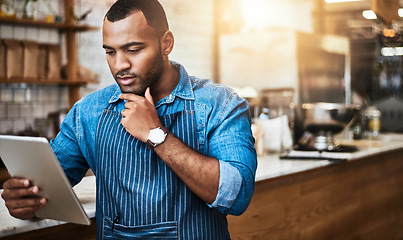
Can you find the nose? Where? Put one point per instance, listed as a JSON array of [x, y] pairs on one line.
[[121, 62]]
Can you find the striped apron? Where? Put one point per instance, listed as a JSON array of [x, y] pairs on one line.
[[138, 196]]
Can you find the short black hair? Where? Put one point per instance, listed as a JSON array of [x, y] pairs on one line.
[[152, 10]]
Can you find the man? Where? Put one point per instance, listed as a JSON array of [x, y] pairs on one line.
[[172, 154]]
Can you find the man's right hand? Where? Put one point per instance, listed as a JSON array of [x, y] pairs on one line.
[[22, 199]]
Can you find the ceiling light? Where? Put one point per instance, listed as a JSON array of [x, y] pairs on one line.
[[369, 14], [390, 52]]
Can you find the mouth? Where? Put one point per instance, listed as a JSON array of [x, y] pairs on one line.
[[125, 80]]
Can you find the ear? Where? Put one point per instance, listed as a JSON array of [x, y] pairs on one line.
[[167, 43]]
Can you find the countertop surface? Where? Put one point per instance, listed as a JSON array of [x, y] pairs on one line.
[[269, 166]]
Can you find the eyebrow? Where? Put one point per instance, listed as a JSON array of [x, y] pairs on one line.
[[127, 45]]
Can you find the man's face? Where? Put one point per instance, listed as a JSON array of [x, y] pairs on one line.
[[133, 53]]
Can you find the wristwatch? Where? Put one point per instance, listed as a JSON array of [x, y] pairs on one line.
[[156, 137]]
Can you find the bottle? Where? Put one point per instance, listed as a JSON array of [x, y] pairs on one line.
[[264, 114], [356, 127], [372, 122]]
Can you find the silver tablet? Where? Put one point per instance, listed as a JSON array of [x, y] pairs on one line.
[[34, 159]]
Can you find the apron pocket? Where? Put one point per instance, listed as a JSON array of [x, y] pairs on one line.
[[165, 230]]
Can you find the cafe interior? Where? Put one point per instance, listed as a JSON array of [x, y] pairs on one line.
[[323, 80]]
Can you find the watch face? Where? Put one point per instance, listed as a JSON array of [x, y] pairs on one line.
[[157, 136]]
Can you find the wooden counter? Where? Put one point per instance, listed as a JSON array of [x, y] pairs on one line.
[[361, 198]]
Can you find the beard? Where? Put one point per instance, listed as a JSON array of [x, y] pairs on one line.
[[141, 83]]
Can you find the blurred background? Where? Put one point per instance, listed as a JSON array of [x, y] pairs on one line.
[[292, 51], [277, 54]]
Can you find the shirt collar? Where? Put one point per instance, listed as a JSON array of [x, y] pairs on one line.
[[115, 96], [183, 89]]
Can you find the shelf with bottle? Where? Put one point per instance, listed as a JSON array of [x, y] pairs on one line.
[[43, 23], [80, 81]]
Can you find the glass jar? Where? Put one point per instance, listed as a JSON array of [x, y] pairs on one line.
[[30, 10]]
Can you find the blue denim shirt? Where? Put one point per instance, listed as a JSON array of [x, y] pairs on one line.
[[223, 126]]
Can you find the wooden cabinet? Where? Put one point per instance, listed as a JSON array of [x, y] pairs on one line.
[[61, 232], [69, 28], [358, 199]]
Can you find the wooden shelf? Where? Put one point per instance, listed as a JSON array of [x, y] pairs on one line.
[[41, 23], [69, 28], [49, 82]]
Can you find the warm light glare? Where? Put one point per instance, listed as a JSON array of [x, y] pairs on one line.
[[389, 33], [258, 13], [390, 52], [261, 15], [400, 12], [340, 1]]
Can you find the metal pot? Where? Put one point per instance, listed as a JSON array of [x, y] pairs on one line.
[[322, 121]]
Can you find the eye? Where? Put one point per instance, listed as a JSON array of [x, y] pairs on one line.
[[109, 52], [132, 50]]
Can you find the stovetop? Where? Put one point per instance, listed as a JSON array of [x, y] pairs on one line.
[[342, 152]]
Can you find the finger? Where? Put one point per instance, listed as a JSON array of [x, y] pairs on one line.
[[134, 104], [129, 96], [23, 213], [130, 104], [123, 122], [148, 96], [16, 183], [33, 202], [26, 212], [17, 193]]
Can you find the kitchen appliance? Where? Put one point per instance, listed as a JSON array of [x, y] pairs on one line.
[[320, 122]]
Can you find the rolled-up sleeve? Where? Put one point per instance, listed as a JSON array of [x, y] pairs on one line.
[[230, 140]]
